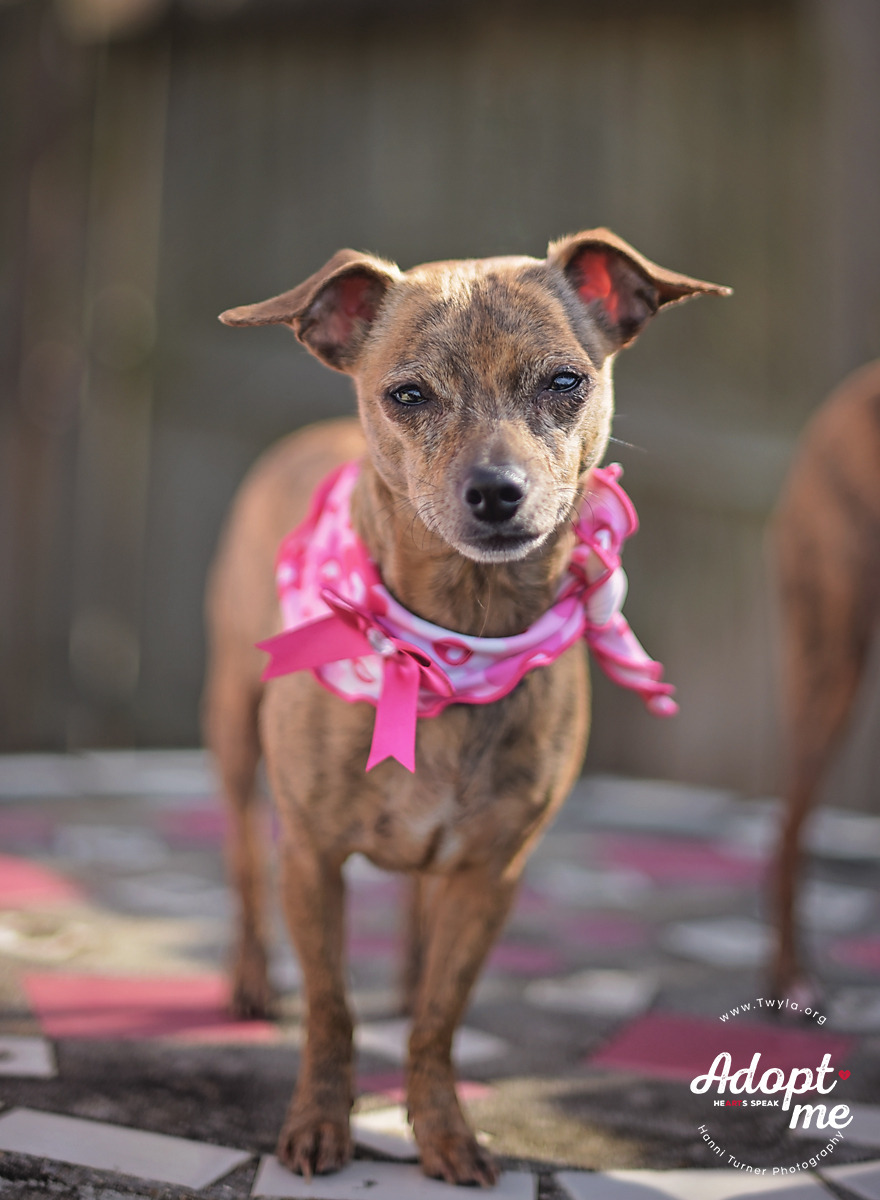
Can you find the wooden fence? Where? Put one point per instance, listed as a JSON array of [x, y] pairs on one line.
[[149, 182]]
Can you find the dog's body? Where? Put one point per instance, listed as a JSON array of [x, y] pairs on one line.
[[826, 536], [485, 400]]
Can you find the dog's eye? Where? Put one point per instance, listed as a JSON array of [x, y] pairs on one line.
[[564, 381], [409, 394]]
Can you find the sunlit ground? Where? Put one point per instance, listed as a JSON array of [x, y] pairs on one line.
[[642, 919]]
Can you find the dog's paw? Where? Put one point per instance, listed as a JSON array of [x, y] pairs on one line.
[[253, 1002], [314, 1147], [253, 1005], [457, 1157], [253, 997]]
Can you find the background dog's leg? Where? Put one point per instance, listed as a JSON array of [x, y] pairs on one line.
[[231, 704], [826, 638], [464, 914], [315, 1136]]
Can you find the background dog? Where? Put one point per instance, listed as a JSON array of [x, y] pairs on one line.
[[485, 398], [826, 538]]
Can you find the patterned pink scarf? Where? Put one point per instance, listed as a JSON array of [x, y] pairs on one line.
[[341, 622]]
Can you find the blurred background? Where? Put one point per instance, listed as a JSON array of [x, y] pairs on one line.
[[162, 160]]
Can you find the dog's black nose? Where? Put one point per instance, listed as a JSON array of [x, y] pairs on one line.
[[494, 493]]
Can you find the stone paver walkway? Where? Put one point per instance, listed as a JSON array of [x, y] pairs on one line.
[[640, 924]]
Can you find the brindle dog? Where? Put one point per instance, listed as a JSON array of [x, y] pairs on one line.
[[485, 397], [826, 537]]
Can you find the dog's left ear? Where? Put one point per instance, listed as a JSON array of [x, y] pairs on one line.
[[332, 312], [621, 288]]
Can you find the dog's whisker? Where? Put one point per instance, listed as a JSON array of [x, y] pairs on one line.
[[629, 445]]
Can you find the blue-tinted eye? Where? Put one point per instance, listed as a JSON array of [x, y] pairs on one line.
[[564, 381], [409, 394]]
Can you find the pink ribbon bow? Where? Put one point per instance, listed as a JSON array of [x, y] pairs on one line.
[[351, 632]]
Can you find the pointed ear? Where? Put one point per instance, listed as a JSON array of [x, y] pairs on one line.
[[332, 312], [621, 288]]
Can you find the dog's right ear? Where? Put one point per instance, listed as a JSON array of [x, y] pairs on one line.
[[331, 313], [621, 288]]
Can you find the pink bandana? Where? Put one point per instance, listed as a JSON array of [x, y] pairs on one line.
[[341, 622]]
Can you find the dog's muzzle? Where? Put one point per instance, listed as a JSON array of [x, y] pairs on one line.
[[494, 494]]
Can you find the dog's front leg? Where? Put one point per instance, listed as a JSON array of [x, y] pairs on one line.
[[315, 1136], [464, 914]]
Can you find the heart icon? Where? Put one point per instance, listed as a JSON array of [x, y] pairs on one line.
[[843, 1074]]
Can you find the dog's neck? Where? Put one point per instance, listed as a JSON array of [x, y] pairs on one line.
[[435, 582]]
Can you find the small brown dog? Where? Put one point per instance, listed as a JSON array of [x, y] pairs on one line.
[[826, 537], [485, 398]]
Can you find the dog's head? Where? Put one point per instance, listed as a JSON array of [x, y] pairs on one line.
[[484, 386]]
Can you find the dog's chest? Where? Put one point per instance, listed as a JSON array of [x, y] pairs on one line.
[[484, 775]]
